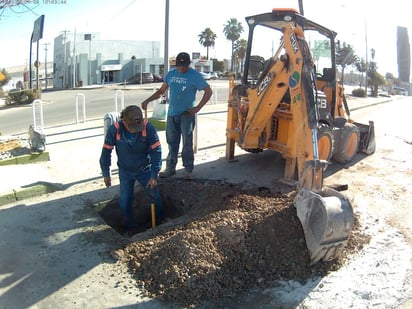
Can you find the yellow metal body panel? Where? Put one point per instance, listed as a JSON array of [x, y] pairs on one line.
[[260, 119]]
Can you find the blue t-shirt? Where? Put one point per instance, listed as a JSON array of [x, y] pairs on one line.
[[182, 89]]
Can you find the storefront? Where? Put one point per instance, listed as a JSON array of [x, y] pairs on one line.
[[109, 73]]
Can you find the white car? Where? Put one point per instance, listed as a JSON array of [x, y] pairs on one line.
[[399, 90], [213, 75], [205, 75]]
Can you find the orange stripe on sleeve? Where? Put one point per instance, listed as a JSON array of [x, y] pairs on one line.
[[108, 146], [155, 145]]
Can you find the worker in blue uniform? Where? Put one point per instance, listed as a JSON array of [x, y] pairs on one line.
[[139, 157]]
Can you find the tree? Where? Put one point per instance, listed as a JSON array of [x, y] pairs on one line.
[[207, 39], [232, 30], [240, 52], [345, 56], [218, 66], [361, 66], [16, 6], [374, 78]]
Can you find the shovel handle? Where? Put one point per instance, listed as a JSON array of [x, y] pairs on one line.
[[153, 211], [152, 208]]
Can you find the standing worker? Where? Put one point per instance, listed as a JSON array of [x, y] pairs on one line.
[[139, 158], [183, 82]]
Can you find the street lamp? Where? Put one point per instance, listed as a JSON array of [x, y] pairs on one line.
[[45, 62], [166, 51], [366, 49]]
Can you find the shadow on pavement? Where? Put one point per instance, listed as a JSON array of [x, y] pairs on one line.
[[49, 246]]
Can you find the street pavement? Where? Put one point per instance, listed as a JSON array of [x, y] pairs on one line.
[[55, 250]]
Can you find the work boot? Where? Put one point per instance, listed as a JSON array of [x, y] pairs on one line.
[[167, 172], [187, 174]]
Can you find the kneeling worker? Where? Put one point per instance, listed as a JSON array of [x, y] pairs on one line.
[[139, 158]]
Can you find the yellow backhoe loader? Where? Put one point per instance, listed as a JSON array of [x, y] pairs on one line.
[[289, 100]]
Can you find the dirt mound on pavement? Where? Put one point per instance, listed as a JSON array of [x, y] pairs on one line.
[[225, 240]]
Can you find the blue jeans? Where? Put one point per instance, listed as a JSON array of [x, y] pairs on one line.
[[177, 128], [127, 181]]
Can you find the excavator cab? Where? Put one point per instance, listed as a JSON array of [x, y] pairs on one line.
[[289, 100]]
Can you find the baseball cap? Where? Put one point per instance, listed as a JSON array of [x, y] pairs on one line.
[[183, 60], [133, 118]]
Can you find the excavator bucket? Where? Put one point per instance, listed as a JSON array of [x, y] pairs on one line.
[[326, 215], [367, 142], [327, 219]]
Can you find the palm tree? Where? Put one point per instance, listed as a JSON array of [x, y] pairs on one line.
[[232, 30], [240, 51], [207, 39]]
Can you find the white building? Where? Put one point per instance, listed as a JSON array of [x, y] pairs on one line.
[[85, 59]]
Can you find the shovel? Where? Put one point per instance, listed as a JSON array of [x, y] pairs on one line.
[[152, 208]]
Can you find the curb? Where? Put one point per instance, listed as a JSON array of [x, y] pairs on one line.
[[371, 104], [26, 159], [31, 191]]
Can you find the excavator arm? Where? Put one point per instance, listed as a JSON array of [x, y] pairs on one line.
[[290, 75], [281, 112]]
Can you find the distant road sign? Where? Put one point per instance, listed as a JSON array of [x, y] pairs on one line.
[[321, 49], [38, 29]]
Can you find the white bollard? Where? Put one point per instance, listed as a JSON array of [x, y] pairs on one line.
[[33, 105], [77, 107], [115, 100], [214, 95]]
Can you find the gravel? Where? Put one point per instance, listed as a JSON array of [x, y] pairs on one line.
[[222, 240]]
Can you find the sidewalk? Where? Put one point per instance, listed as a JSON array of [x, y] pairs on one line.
[[75, 150]]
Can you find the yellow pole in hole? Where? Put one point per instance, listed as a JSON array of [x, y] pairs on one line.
[[152, 209]]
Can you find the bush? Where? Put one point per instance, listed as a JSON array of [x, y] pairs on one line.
[[26, 96], [359, 92]]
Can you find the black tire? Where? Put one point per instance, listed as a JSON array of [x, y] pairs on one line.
[[346, 143], [325, 143]]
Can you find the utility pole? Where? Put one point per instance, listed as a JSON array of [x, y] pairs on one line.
[[65, 32], [74, 59], [88, 37], [301, 7], [166, 51], [366, 56], [45, 62]]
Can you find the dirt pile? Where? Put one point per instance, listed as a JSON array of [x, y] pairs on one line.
[[227, 240]]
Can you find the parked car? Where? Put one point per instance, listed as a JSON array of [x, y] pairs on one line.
[[399, 91], [213, 75], [205, 75], [157, 78], [141, 78]]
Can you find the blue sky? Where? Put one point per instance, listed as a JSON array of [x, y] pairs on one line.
[[144, 20]]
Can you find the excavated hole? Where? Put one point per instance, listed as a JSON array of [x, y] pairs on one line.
[[179, 196], [112, 215], [188, 200]]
